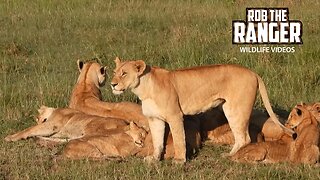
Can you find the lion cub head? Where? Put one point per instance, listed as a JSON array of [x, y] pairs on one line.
[[314, 108], [44, 114], [138, 134], [92, 70], [126, 75], [300, 116]]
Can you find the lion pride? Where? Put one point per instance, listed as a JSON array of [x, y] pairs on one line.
[[168, 95]]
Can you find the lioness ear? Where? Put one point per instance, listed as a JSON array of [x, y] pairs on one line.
[[80, 65], [42, 108], [140, 66], [117, 61]]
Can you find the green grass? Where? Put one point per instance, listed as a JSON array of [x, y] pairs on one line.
[[41, 41]]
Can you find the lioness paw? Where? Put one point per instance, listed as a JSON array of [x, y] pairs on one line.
[[9, 138]]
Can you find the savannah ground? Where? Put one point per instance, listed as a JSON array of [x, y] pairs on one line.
[[41, 41]]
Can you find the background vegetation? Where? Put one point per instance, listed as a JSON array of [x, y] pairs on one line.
[[41, 41]]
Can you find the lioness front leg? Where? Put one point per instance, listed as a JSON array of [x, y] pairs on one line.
[[178, 134], [157, 129], [39, 130]]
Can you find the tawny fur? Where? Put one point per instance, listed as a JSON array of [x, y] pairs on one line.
[[124, 143], [193, 140], [215, 127], [63, 124], [314, 108], [304, 149], [86, 96], [168, 95]]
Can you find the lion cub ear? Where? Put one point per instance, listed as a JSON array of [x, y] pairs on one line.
[[80, 65], [133, 125], [316, 107], [140, 66], [117, 61]]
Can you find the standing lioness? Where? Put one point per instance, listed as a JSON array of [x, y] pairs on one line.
[[167, 95]]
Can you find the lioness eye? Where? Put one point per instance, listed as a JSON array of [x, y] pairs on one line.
[[44, 120], [124, 74]]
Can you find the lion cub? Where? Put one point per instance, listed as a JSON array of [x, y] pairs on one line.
[[86, 96], [63, 124], [304, 149], [314, 108], [216, 130], [126, 142]]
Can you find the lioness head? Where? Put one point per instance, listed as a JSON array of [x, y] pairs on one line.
[[138, 134], [44, 113], [126, 75], [92, 70], [300, 114]]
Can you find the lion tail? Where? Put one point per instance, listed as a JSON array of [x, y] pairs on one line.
[[267, 105]]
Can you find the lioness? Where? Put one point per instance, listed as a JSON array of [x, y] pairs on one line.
[[168, 95], [126, 142], [64, 124], [304, 149], [86, 96]]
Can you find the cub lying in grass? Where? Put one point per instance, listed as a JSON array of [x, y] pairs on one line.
[[129, 141], [216, 130], [126, 142], [63, 124], [86, 96], [304, 149]]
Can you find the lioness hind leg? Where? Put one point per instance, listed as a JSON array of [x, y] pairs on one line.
[[239, 124]]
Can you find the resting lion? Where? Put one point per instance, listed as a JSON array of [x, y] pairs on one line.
[[86, 96], [168, 95], [126, 142], [133, 142], [215, 127], [304, 149], [64, 124]]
